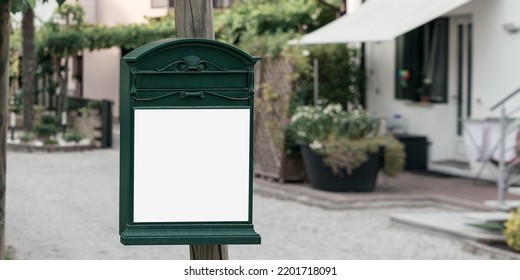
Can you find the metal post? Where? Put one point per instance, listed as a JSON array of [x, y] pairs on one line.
[[12, 123], [64, 122], [501, 184], [316, 68], [106, 124]]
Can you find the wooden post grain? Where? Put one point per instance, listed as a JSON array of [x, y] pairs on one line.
[[194, 19], [4, 85]]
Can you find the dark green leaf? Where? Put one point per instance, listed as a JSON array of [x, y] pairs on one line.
[[31, 3], [493, 227], [16, 6]]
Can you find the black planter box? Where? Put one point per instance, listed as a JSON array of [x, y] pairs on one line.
[[321, 176], [416, 149]]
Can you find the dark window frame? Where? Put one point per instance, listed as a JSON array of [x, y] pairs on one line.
[[416, 79]]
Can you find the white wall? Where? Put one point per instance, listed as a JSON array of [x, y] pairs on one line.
[[497, 53], [101, 76], [496, 59], [123, 11]]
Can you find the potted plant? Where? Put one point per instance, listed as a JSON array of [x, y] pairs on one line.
[[512, 230], [425, 90], [344, 151]]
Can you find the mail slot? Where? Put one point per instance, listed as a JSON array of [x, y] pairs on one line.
[[186, 171]]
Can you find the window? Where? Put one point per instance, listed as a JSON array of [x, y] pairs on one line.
[[422, 63]]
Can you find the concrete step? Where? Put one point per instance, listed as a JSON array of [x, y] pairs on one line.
[[506, 205], [451, 223], [488, 217], [514, 190]]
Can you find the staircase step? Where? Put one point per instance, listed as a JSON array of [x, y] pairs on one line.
[[514, 190]]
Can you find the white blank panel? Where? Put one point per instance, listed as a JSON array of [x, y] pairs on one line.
[[191, 165]]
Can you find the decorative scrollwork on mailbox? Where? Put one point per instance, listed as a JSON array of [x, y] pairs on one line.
[[191, 63], [184, 94]]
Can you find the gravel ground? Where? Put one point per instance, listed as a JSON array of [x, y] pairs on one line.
[[65, 206]]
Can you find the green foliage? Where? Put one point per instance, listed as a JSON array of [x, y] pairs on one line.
[[91, 106], [46, 128], [16, 104], [74, 136], [61, 37], [264, 26], [342, 153], [27, 137], [48, 119], [319, 123], [512, 230], [38, 108], [344, 138], [269, 16], [23, 5], [50, 141], [66, 34], [268, 45], [94, 104], [15, 52], [339, 73]]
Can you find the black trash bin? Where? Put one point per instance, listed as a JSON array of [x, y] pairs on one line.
[[416, 149]]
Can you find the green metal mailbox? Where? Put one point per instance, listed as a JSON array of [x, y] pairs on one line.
[[186, 144]]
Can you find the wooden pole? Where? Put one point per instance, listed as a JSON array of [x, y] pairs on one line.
[[4, 86], [194, 19]]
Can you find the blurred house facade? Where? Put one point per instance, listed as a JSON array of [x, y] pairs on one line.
[[435, 63]]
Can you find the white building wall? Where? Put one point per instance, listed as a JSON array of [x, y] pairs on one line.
[[101, 76], [123, 11], [497, 55], [496, 64]]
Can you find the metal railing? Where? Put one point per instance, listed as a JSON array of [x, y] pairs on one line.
[[502, 183]]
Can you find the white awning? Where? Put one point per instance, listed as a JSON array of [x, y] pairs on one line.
[[380, 20]]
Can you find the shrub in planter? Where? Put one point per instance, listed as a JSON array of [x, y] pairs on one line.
[[46, 128], [27, 137], [344, 139], [50, 141], [73, 136], [512, 230]]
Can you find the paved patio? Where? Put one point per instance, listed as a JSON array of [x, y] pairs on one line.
[[407, 186]]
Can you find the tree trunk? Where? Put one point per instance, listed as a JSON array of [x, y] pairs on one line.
[[28, 68], [4, 86], [194, 19]]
